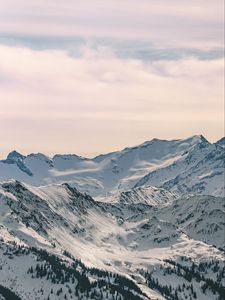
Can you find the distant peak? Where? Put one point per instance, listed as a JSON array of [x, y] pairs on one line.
[[198, 138], [202, 138], [15, 156], [146, 144], [221, 141], [68, 157], [193, 139], [40, 156]]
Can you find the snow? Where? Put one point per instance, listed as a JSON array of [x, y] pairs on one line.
[[153, 202], [157, 163], [146, 237]]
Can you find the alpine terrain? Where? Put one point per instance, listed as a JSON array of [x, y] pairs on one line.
[[146, 222]]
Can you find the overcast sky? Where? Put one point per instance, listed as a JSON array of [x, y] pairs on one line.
[[94, 76]]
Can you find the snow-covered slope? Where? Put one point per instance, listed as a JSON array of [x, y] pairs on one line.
[[190, 165], [154, 229], [199, 170], [152, 196], [158, 243]]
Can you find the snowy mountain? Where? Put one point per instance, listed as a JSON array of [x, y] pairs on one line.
[[200, 171], [146, 243], [184, 166], [146, 222], [221, 142]]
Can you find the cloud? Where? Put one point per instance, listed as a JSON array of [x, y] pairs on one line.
[[126, 49], [98, 101], [171, 24]]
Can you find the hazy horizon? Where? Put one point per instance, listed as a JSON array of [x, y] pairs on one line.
[[97, 77]]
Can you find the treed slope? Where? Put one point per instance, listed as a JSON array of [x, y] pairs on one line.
[[148, 235]]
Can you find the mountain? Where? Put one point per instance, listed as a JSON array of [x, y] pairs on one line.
[[146, 243], [221, 142], [151, 196], [200, 170], [184, 166], [146, 222]]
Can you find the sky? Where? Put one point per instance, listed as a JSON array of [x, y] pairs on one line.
[[94, 76]]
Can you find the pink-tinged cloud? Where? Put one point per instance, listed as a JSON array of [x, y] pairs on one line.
[[174, 23], [52, 102]]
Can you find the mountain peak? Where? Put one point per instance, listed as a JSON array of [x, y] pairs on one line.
[[15, 156], [221, 142], [202, 138], [193, 139], [68, 157], [196, 139]]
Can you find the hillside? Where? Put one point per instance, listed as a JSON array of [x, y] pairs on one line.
[[57, 243]]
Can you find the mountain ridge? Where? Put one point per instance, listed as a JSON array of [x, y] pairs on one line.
[[121, 170], [199, 136], [129, 243]]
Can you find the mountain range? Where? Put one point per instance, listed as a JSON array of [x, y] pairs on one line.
[[147, 222], [189, 165]]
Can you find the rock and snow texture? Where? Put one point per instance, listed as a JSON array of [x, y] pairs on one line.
[[150, 241], [221, 142], [147, 222], [192, 165]]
